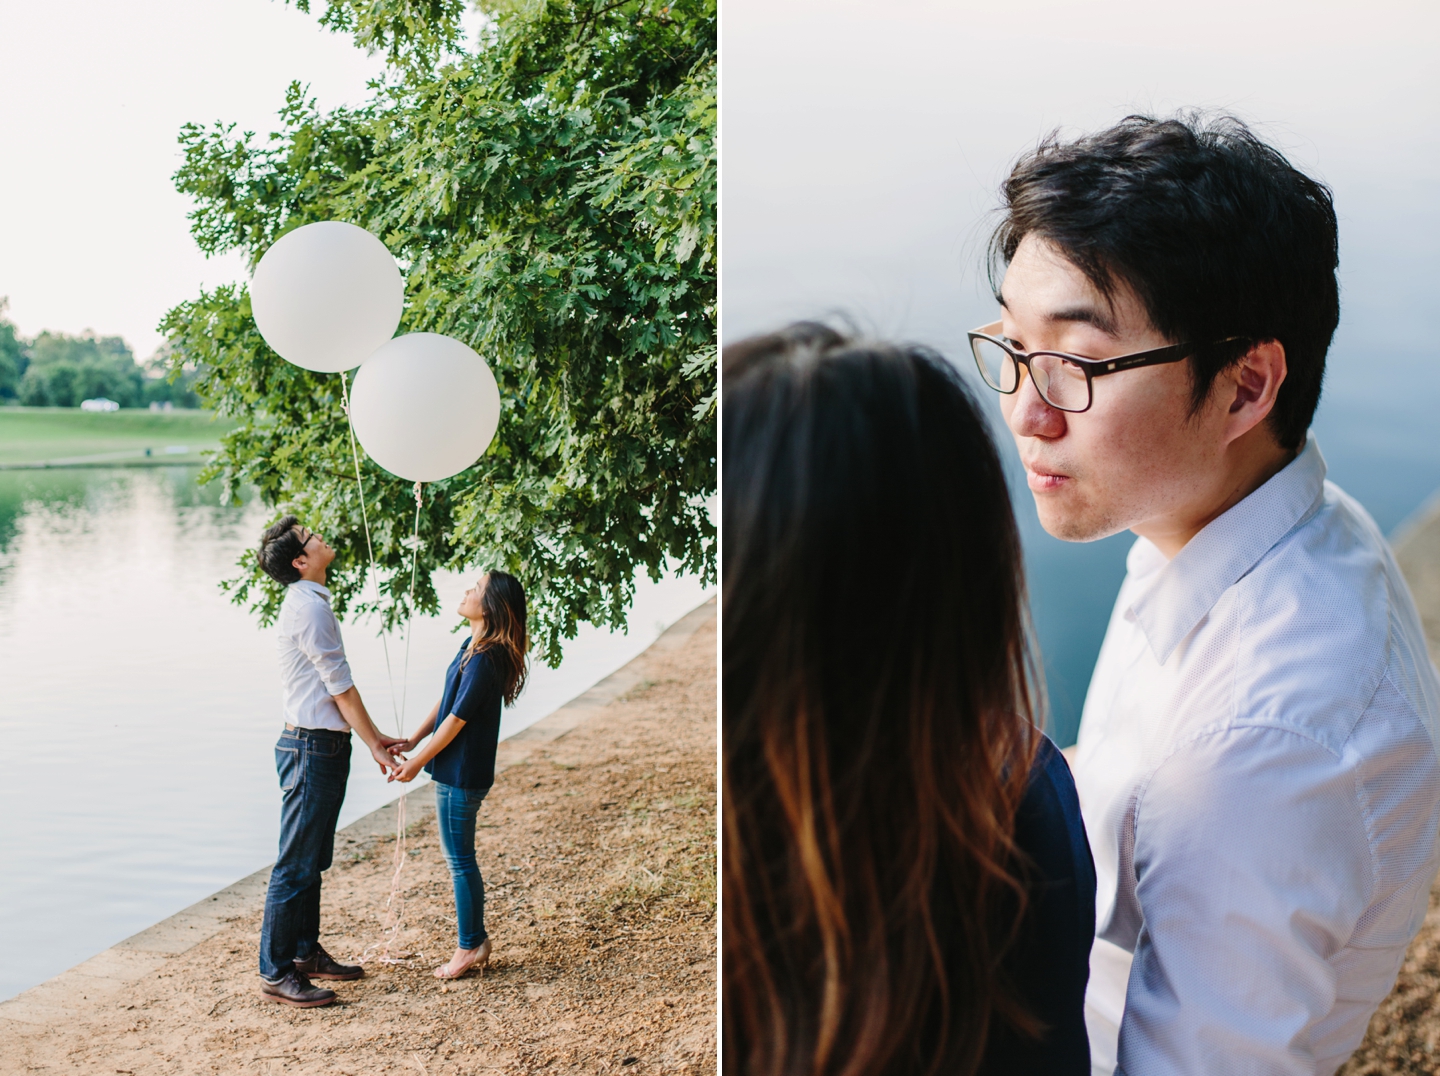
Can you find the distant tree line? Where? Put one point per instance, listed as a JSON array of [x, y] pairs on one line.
[[59, 370]]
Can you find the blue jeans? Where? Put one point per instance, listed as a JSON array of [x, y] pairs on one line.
[[455, 810], [314, 765]]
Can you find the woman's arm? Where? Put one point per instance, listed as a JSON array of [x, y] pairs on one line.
[[426, 727], [448, 730]]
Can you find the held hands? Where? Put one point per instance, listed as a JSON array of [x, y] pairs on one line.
[[384, 755], [396, 744], [387, 754], [407, 771]]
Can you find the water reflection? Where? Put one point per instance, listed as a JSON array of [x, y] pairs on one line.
[[139, 707]]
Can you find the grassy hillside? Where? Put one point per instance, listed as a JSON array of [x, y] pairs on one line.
[[66, 434]]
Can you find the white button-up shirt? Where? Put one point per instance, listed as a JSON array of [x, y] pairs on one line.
[[312, 658], [1257, 768]]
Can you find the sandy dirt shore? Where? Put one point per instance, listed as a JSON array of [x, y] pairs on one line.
[[598, 853]]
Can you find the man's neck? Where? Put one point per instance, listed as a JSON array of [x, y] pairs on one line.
[[1250, 462]]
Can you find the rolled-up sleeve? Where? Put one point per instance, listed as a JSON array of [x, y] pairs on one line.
[[317, 635], [1253, 867]]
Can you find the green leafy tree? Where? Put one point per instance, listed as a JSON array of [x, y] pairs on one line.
[[13, 359], [168, 381], [551, 194], [64, 370]]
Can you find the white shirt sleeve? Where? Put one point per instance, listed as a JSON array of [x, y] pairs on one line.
[[1253, 867], [317, 635]]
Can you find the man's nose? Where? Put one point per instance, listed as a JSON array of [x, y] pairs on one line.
[[1031, 416]]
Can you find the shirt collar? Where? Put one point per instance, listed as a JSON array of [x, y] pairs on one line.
[[1186, 588], [312, 587]]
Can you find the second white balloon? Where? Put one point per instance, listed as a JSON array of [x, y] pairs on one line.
[[425, 406]]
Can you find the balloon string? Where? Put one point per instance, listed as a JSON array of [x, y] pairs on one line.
[[395, 904], [370, 549], [410, 610]]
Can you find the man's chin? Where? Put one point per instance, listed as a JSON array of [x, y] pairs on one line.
[[1070, 525]]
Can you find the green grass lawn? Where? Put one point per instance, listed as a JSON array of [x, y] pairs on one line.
[[51, 434]]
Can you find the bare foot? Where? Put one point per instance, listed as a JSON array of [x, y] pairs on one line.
[[464, 960]]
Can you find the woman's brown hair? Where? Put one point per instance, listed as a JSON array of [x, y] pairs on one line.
[[879, 696], [503, 637]]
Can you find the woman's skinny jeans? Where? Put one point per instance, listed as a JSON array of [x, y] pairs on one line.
[[455, 810]]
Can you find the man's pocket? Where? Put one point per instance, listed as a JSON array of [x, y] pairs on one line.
[[328, 748], [290, 767]]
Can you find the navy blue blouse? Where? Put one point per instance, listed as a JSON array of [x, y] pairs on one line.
[[1050, 965], [473, 695]]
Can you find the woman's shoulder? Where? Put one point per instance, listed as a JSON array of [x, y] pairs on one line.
[[484, 663], [1049, 828], [1050, 779]]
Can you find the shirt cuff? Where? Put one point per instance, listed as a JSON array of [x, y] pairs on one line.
[[339, 682]]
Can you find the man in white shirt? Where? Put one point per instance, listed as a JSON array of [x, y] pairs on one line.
[[1257, 758], [321, 706]]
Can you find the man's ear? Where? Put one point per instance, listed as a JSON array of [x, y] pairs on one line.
[[1252, 385], [301, 562]]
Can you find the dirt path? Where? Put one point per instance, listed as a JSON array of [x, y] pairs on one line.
[[598, 852]]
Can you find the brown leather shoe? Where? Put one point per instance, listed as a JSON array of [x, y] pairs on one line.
[[320, 965], [295, 989]]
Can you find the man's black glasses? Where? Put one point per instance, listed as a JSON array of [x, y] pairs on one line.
[[1062, 380]]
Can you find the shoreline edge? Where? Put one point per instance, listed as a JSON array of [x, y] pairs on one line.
[[92, 982]]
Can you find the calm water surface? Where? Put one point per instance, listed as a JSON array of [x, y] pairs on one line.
[[865, 143], [138, 707]]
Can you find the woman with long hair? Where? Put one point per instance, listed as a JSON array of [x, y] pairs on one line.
[[907, 885], [488, 670]]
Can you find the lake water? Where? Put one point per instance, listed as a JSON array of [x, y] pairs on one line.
[[138, 707], [864, 144]]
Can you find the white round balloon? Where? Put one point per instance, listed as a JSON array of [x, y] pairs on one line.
[[327, 295], [425, 406]]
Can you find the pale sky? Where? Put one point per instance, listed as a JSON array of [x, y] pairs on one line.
[[92, 96], [864, 143]]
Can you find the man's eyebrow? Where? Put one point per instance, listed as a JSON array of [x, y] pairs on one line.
[[1089, 315]]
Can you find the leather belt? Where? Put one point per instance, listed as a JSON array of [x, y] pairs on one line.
[[327, 732]]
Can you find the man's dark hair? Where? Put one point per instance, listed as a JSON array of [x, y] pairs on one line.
[[1217, 233], [279, 546]]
